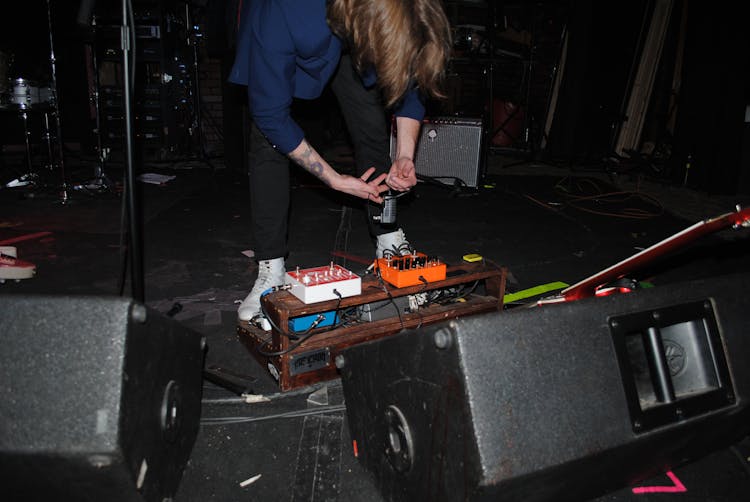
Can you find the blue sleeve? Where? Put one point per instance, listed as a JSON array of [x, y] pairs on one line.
[[411, 106], [270, 77]]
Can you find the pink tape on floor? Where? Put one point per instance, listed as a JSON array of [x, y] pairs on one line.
[[678, 487]]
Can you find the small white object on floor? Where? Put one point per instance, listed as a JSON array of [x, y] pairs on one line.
[[155, 179], [250, 481]]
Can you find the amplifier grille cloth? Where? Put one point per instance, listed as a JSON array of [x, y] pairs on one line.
[[449, 148]]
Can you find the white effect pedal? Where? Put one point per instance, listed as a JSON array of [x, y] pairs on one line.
[[317, 284]]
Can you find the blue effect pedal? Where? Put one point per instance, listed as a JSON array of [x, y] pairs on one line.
[[303, 323]]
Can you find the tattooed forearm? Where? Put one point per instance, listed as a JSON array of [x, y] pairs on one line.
[[310, 160]]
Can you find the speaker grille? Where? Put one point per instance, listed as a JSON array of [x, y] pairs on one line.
[[448, 150], [52, 349], [555, 402], [99, 399]]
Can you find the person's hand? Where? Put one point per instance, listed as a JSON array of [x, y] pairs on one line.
[[402, 175], [361, 187]]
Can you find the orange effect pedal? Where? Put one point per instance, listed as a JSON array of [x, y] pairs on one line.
[[410, 270]]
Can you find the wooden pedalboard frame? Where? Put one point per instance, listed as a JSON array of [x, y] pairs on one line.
[[314, 359]]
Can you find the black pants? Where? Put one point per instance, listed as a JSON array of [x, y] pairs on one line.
[[269, 170]]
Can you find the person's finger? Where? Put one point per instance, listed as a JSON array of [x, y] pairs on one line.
[[375, 198], [406, 170], [367, 174], [396, 184], [377, 181]]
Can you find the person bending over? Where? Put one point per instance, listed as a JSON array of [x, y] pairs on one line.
[[379, 56]]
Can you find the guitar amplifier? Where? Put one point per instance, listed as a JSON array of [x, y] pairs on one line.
[[448, 150]]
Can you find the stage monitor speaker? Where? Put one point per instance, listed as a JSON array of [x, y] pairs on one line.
[[560, 402], [448, 150], [99, 399]]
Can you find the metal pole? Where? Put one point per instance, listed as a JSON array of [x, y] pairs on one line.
[[100, 178], [27, 142], [135, 220], [56, 109], [197, 126]]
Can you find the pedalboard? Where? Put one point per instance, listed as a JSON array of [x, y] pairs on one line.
[[410, 270], [318, 284]]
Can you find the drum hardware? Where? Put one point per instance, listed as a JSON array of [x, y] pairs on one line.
[[22, 94], [22, 181], [32, 176], [100, 181], [27, 114], [47, 136], [26, 97], [27, 140], [29, 177], [26, 94], [196, 129]]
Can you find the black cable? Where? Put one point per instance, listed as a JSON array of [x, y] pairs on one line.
[[295, 334], [265, 314], [124, 223], [288, 349], [393, 301], [291, 414], [463, 292], [336, 312], [132, 192], [470, 291], [132, 37], [306, 335], [434, 180], [276, 396], [598, 195], [349, 317]]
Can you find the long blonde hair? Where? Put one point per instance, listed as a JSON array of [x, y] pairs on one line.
[[406, 41]]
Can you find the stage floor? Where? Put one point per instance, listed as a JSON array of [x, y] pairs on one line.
[[543, 223]]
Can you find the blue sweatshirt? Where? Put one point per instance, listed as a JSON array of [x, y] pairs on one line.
[[286, 50]]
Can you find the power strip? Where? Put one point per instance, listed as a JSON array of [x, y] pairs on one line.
[[384, 309], [318, 284]]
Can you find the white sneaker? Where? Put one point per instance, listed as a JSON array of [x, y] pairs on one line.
[[270, 273], [393, 244], [12, 268]]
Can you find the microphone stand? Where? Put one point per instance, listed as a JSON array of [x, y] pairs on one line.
[[135, 219], [100, 181], [193, 36], [56, 102]]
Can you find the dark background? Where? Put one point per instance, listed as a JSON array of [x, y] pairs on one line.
[[509, 56]]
